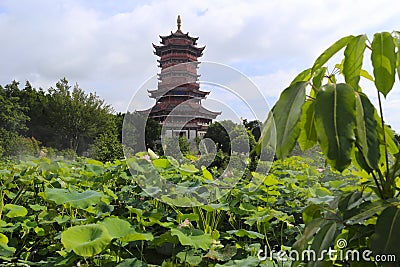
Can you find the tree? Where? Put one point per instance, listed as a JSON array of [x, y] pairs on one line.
[[218, 132], [12, 123], [12, 117], [76, 118], [140, 132], [340, 118]]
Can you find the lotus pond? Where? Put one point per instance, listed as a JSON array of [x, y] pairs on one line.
[[87, 213]]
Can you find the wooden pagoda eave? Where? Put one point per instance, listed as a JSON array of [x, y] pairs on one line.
[[196, 50], [157, 93], [178, 34]]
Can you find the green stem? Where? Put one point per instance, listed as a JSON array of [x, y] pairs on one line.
[[377, 185], [384, 136], [1, 203]]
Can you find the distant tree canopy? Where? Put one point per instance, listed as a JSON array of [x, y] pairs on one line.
[[66, 119], [225, 133], [139, 132], [63, 117], [12, 114]]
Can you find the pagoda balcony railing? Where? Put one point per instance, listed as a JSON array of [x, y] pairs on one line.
[[185, 54], [176, 81], [184, 124], [180, 124]]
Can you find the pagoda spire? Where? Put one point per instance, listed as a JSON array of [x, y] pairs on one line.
[[178, 21]]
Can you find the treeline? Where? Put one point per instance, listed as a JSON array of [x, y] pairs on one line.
[[62, 120], [66, 121]]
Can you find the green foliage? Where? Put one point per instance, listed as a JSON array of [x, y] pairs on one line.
[[94, 213], [308, 133], [254, 127], [86, 240], [219, 133], [354, 54], [348, 128], [69, 154], [76, 117], [106, 147], [335, 121], [16, 146], [366, 131], [384, 241], [62, 118], [288, 110], [140, 133], [12, 117], [383, 60]]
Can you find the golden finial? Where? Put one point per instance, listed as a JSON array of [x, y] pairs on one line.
[[179, 22]]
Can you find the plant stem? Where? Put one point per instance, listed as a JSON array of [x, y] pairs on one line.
[[384, 137], [377, 185]]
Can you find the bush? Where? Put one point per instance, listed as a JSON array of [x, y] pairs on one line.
[[106, 147], [69, 154], [15, 145]]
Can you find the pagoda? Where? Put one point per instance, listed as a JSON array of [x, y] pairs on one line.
[[178, 96]]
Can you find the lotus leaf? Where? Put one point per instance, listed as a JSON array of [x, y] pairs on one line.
[[116, 227], [15, 211], [75, 199], [86, 240]]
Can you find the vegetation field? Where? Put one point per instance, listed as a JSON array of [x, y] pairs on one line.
[[68, 213]]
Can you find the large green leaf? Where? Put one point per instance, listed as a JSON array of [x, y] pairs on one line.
[[386, 240], [222, 254], [322, 241], [86, 240], [76, 199], [267, 140], [133, 235], [162, 163], [335, 123], [192, 257], [367, 211], [116, 227], [332, 50], [318, 77], [287, 112], [383, 59], [303, 76], [311, 228], [5, 250], [248, 233], [196, 238], [353, 59], [12, 211], [397, 42], [308, 134], [367, 134]]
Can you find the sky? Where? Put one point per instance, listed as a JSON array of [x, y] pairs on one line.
[[106, 46]]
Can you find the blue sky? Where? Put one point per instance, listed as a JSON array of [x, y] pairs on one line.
[[105, 46]]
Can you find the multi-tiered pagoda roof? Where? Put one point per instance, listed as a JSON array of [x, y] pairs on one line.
[[178, 95]]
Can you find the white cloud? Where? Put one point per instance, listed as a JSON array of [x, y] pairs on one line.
[[106, 46]]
